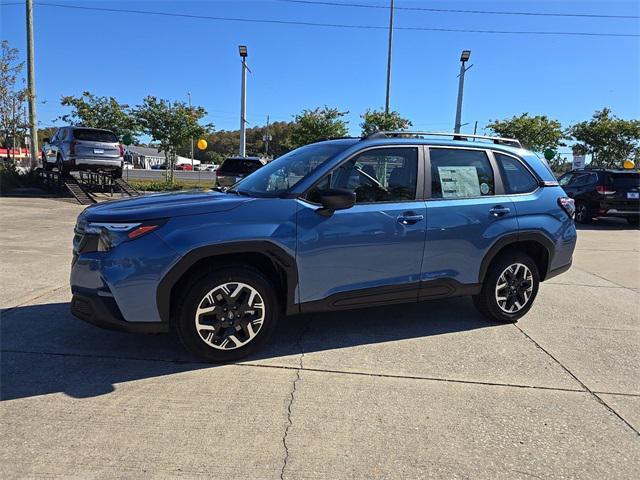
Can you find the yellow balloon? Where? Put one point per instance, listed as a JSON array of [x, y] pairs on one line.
[[629, 164], [202, 144]]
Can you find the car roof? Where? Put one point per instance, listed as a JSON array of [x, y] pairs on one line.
[[382, 141], [607, 170]]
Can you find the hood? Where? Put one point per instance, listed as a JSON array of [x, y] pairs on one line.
[[164, 205]]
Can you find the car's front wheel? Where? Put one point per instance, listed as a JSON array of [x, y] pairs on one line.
[[509, 288], [227, 314]]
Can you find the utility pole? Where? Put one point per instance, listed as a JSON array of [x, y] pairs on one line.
[[386, 103], [31, 86], [266, 139], [464, 57], [243, 102], [191, 113]]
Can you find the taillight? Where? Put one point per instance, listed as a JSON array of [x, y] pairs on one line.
[[121, 150], [72, 147], [604, 190], [568, 205]]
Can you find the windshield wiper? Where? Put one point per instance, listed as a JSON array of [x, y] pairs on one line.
[[237, 192]]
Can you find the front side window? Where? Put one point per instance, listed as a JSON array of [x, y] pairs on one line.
[[517, 179], [565, 179], [460, 173], [377, 175]]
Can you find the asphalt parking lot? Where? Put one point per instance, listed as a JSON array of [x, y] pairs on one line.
[[429, 390]]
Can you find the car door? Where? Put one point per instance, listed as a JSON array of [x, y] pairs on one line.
[[467, 211], [371, 252], [49, 149]]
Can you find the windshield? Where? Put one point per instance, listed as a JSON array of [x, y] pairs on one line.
[[280, 175]]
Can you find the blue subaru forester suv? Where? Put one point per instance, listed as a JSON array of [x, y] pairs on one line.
[[349, 223]]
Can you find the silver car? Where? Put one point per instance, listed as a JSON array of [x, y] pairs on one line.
[[80, 148]]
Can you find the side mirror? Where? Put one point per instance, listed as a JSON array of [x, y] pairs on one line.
[[336, 199], [46, 140]]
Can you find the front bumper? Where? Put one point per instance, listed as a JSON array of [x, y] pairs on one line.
[[103, 312]]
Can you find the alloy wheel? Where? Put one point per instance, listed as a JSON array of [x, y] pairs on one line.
[[514, 288], [230, 315]]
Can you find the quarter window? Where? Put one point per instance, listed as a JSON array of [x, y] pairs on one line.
[[460, 173], [517, 179], [378, 175]]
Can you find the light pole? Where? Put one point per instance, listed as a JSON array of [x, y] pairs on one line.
[[386, 102], [266, 138], [243, 102], [31, 87], [191, 113], [464, 57]]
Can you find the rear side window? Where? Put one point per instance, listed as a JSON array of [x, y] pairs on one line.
[[460, 173], [583, 179], [517, 179], [91, 135], [625, 181], [238, 165]]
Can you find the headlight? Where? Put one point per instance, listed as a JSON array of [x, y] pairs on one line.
[[110, 235]]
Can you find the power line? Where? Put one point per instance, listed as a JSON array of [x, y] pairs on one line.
[[451, 10], [331, 25]]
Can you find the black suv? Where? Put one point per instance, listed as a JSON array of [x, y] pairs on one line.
[[234, 169], [604, 193]]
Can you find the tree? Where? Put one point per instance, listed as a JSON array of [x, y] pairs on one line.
[[100, 112], [171, 124], [610, 140], [13, 124], [375, 120], [313, 125], [535, 133]]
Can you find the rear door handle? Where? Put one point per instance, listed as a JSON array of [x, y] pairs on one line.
[[499, 211], [409, 218]]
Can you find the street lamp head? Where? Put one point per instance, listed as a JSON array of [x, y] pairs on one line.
[[243, 50], [465, 55]]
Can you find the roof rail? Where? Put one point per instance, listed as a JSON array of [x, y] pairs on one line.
[[456, 136]]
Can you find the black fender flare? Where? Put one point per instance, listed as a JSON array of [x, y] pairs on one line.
[[511, 238], [275, 253]]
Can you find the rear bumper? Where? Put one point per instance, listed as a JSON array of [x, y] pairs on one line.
[[618, 212], [103, 312], [97, 163]]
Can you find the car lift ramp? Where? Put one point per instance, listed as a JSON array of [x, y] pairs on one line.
[[85, 184], [78, 190]]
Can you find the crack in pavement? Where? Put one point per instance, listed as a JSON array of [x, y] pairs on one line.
[[582, 384], [604, 278], [8, 310], [292, 394], [308, 369]]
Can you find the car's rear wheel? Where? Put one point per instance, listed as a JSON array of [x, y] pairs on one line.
[[583, 213], [227, 314], [117, 173], [509, 288], [60, 165]]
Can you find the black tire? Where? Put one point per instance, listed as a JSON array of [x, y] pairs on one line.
[[117, 173], [195, 292], [486, 301], [60, 165], [583, 213], [633, 221]]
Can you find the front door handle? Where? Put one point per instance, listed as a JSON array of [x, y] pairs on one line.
[[499, 211], [409, 218]]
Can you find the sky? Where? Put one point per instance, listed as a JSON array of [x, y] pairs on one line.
[[293, 67]]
